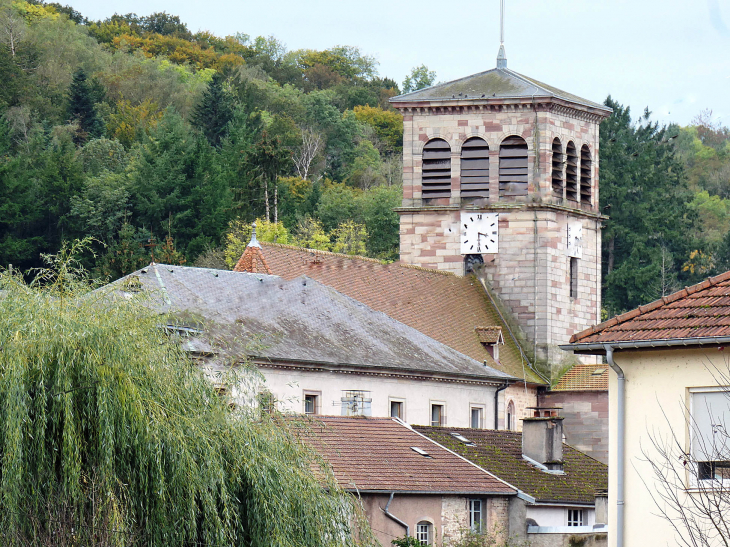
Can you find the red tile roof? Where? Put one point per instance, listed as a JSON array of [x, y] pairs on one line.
[[584, 378], [489, 335], [699, 311], [441, 305], [252, 261], [375, 455]]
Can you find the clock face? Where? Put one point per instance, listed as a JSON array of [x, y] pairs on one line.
[[575, 239], [479, 232]]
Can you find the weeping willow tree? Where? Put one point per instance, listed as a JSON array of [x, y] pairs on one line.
[[110, 436]]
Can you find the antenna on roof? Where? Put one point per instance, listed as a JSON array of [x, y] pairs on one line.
[[501, 56]]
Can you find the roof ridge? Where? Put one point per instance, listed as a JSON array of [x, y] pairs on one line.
[[357, 257], [651, 306]]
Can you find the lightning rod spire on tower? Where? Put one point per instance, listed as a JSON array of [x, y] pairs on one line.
[[501, 56]]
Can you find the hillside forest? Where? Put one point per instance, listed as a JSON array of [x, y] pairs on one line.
[[157, 141]]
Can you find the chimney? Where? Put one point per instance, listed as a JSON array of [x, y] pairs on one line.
[[542, 438]]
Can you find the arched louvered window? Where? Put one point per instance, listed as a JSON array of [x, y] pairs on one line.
[[475, 168], [585, 174], [571, 172], [557, 175], [436, 173], [513, 167]]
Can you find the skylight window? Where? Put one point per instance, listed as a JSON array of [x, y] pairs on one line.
[[421, 451], [598, 372], [459, 437]]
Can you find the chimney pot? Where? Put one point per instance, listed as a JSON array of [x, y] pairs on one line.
[[542, 440]]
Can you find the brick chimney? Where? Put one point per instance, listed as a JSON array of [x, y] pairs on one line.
[[542, 439]]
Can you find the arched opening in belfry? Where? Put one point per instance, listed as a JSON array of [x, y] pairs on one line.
[[571, 172], [513, 167], [557, 172], [585, 174], [475, 169], [436, 170]]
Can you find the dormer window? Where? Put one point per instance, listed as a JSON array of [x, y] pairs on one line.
[[571, 172], [585, 174], [475, 169], [491, 338], [557, 173], [513, 167], [436, 170]]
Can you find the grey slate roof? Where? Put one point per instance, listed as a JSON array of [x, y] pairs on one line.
[[500, 83], [299, 320]]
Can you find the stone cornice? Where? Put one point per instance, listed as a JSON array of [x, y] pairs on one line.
[[503, 207], [493, 105], [305, 366]]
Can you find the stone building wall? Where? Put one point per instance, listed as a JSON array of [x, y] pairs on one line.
[[531, 270]]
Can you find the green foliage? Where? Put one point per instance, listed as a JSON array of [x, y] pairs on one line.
[[406, 541], [110, 432], [492, 538], [644, 191], [311, 235], [419, 78], [82, 109], [387, 124], [350, 238], [214, 112]]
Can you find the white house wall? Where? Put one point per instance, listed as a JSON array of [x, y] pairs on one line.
[[557, 515], [288, 386]]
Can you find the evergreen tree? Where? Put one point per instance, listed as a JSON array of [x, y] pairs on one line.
[[81, 108], [644, 192], [214, 112]]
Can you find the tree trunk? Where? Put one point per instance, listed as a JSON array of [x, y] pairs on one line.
[[276, 203], [266, 198]]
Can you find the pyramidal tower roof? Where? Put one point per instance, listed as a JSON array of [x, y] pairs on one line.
[[497, 83]]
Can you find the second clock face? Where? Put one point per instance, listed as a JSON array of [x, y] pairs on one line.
[[479, 232]]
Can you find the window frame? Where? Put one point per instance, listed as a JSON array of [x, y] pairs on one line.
[[482, 415], [695, 481], [573, 274], [317, 395], [424, 526], [479, 526], [575, 517], [401, 402], [509, 417], [442, 417]]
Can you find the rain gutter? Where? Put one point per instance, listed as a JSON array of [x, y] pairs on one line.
[[392, 517], [496, 404], [599, 348]]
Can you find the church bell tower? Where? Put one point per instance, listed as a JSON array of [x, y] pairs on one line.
[[502, 170]]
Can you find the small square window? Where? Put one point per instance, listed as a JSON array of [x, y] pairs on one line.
[[312, 403], [396, 409], [575, 517]]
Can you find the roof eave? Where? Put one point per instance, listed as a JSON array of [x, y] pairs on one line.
[[506, 99], [466, 492], [599, 348]]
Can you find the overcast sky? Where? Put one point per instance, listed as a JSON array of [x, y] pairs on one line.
[[672, 56]]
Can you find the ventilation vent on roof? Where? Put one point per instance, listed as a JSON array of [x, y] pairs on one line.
[[421, 451], [585, 174], [557, 168], [459, 437], [571, 173], [436, 172], [513, 167], [475, 168]]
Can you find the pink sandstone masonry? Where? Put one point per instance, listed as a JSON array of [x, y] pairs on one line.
[[531, 271]]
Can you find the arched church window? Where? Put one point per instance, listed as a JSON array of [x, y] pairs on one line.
[[557, 176], [585, 174], [510, 417], [475, 168], [513, 167], [436, 171], [571, 172]]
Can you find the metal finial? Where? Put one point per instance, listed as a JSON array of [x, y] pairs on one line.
[[501, 56], [254, 242]]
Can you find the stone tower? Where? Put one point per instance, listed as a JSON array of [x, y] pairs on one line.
[[502, 170]]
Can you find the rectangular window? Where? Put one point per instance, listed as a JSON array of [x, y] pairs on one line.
[[477, 417], [312, 402], [396, 409], [476, 515], [437, 415], [709, 440], [573, 277], [423, 533], [575, 517]]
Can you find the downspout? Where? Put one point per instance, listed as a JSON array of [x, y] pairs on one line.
[[496, 404], [392, 517], [620, 449]]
